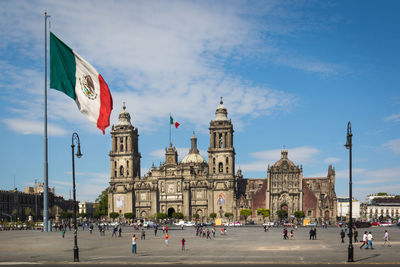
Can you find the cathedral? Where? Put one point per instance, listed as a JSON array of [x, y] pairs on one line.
[[195, 186]]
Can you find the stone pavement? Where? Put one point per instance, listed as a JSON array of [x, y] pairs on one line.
[[244, 245]]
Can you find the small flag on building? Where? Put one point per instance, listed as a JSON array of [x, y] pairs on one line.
[[171, 121], [71, 74]]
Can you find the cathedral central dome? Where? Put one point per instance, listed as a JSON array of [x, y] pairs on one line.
[[194, 155]]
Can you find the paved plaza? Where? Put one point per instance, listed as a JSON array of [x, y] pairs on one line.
[[244, 245]]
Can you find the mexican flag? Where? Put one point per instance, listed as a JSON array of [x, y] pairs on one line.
[[71, 74], [171, 121]]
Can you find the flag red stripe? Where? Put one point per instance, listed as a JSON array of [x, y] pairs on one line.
[[106, 105], [177, 124]]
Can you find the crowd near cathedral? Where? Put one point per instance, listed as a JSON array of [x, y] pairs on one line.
[[197, 186]]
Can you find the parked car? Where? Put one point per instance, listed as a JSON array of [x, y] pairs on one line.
[[250, 223], [362, 224], [148, 224], [376, 224], [386, 224], [233, 224]]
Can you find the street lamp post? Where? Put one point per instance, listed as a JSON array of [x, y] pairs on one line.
[[75, 136], [349, 145]]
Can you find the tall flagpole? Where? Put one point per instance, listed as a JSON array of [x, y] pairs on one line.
[[46, 167], [170, 129]]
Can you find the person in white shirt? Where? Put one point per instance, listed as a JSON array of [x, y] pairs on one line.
[[365, 239], [369, 238], [386, 239], [134, 238]]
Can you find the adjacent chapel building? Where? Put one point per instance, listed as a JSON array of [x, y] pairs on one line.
[[195, 186]]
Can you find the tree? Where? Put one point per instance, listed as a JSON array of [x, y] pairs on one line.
[[381, 194], [161, 216], [178, 215], [299, 214], [245, 213], [114, 215], [229, 215], [82, 215], [129, 215], [281, 214], [213, 215], [102, 199], [65, 215], [264, 213]]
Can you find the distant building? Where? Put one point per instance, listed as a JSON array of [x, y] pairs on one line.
[[38, 189], [15, 204], [343, 208], [382, 208], [86, 207]]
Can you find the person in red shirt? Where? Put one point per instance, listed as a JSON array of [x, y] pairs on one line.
[[183, 241], [166, 239]]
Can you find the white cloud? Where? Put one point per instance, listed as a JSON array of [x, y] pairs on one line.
[[393, 145], [165, 61], [393, 117], [27, 127], [332, 160], [302, 154]]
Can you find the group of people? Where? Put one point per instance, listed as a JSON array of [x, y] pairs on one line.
[[313, 233], [285, 234], [206, 233]]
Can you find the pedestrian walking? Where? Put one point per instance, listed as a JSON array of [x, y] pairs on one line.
[[355, 236], [114, 233], [163, 229], [63, 232], [166, 229], [365, 239], [134, 238], [315, 234], [166, 239], [208, 234], [155, 230], [213, 232], [342, 235], [291, 235], [183, 241], [386, 239], [143, 236], [369, 239], [120, 231], [265, 228], [311, 233], [284, 233]]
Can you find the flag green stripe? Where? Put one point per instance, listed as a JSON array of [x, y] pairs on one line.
[[62, 67], [171, 120]]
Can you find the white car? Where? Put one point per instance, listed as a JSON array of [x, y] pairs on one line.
[[189, 224], [268, 224], [234, 224], [180, 223]]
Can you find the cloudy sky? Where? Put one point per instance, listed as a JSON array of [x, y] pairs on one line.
[[292, 74]]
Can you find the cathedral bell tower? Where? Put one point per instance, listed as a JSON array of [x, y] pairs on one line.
[[125, 164], [221, 153]]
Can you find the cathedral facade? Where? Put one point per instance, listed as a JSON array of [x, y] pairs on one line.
[[195, 186]]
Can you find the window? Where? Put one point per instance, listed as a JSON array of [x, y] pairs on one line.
[[121, 171], [127, 168], [121, 144], [220, 140], [309, 213], [226, 160], [115, 144], [214, 161], [220, 167], [214, 170], [215, 140], [126, 143]]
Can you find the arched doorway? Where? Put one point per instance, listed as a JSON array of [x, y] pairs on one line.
[[170, 212], [326, 217]]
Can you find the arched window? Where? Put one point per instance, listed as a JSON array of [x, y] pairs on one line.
[[226, 160], [213, 161], [220, 142], [220, 167], [214, 170], [227, 170], [214, 139], [127, 168], [121, 170], [115, 144], [121, 144]]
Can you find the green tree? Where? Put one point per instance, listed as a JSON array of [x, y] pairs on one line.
[[213, 215], [102, 199], [299, 214], [264, 213], [96, 214], [129, 215], [228, 215], [381, 194], [161, 216], [178, 215], [65, 215], [82, 215], [114, 215], [281, 214], [246, 213]]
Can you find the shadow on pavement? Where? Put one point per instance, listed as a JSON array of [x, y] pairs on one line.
[[366, 258]]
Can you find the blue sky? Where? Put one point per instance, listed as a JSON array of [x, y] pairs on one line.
[[292, 73]]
